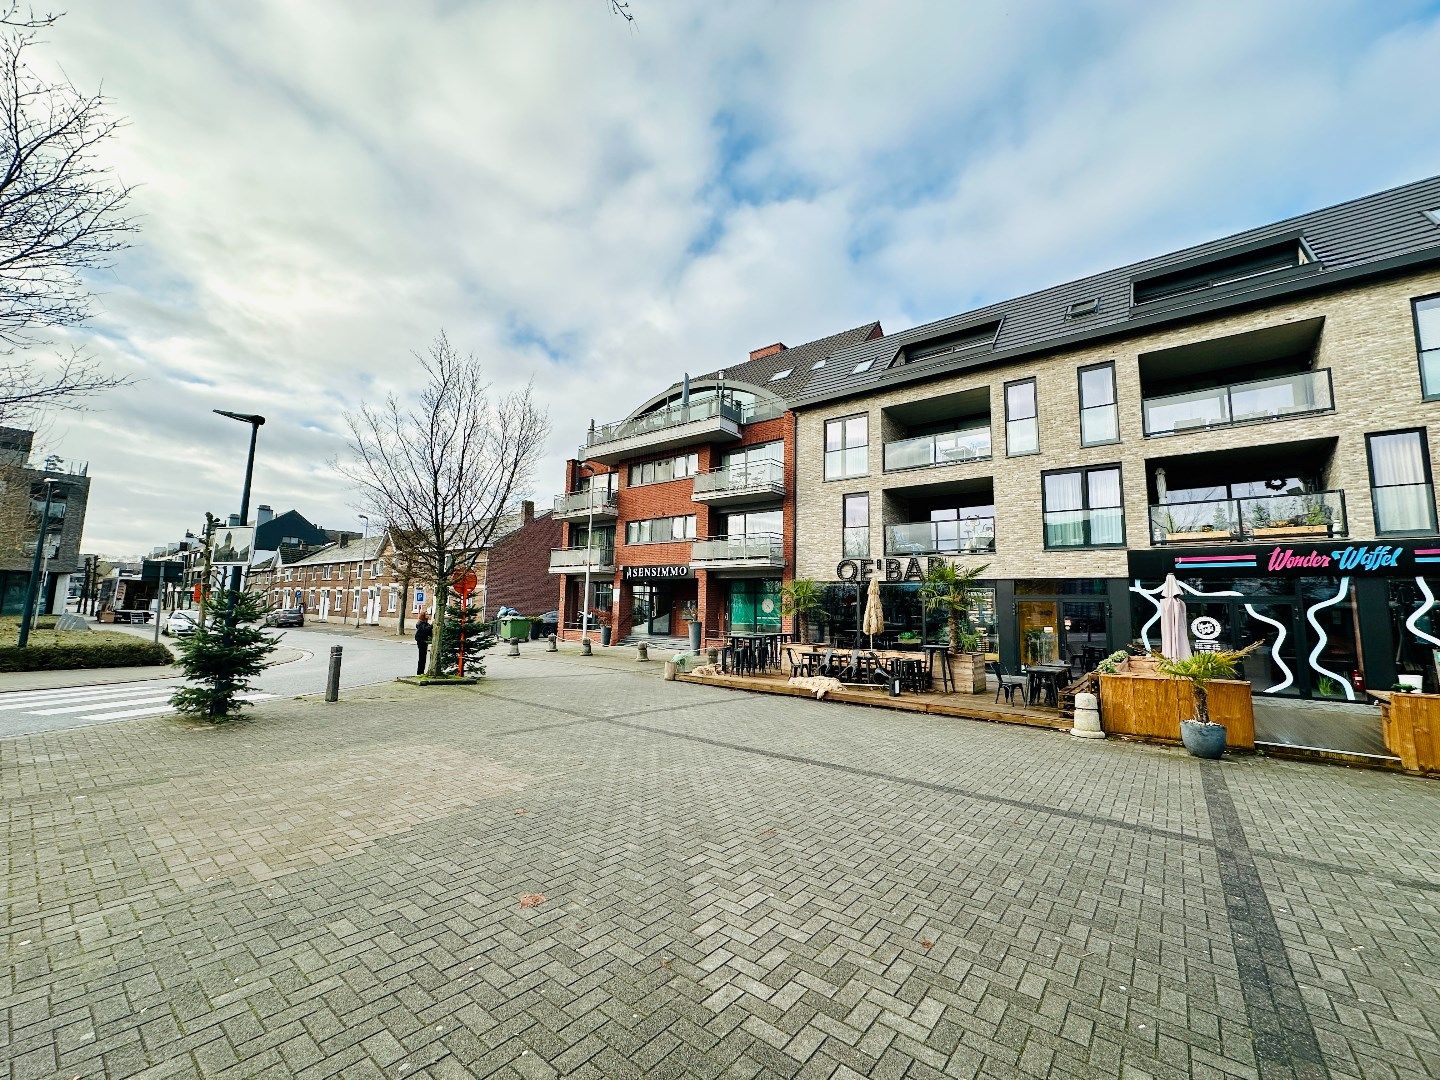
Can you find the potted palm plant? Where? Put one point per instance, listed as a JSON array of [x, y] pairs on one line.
[[1201, 735], [951, 591], [799, 600]]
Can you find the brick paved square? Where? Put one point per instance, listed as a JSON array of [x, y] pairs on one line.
[[733, 886]]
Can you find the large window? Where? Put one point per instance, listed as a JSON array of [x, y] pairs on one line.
[[1083, 508], [657, 472], [660, 530], [755, 523], [1022, 433], [856, 529], [1099, 421], [1400, 485], [757, 456], [847, 442], [1427, 339]]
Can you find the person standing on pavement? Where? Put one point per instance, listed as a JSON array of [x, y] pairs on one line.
[[423, 632]]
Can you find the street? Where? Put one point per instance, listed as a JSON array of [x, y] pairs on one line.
[[578, 869], [299, 668]]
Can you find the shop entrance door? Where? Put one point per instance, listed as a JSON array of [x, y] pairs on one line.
[[1276, 668], [755, 605], [650, 607], [1086, 635]]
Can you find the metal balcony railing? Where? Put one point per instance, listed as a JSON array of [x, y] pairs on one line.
[[1239, 403], [757, 477], [668, 417], [565, 560], [950, 448], [967, 536], [1258, 518], [581, 503], [766, 549]]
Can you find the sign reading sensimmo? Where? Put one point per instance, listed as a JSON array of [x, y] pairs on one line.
[[663, 572]]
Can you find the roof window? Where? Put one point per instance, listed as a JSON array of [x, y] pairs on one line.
[[1196, 278], [1433, 215], [818, 364], [864, 365], [1081, 308], [782, 374], [969, 339]]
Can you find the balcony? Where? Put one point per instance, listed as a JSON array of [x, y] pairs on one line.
[[1239, 403], [968, 536], [760, 481], [950, 448], [1260, 519], [596, 502], [576, 560], [738, 553], [671, 428]]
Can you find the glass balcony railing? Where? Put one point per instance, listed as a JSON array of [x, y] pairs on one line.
[[951, 448], [1100, 527], [963, 537], [1404, 508], [580, 503], [668, 417], [1239, 403], [564, 560], [766, 548], [757, 476], [1259, 518]]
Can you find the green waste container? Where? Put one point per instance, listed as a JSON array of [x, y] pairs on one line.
[[515, 629]]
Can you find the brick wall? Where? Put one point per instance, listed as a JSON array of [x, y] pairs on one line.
[[519, 567]]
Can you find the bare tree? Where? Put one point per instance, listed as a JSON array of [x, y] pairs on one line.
[[62, 213], [442, 472]]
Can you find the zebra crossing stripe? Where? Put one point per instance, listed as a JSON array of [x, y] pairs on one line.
[[155, 710], [27, 701], [88, 705]]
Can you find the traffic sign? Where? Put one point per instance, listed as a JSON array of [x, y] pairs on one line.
[[464, 581]]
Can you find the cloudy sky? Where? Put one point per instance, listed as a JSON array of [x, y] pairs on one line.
[[602, 205]]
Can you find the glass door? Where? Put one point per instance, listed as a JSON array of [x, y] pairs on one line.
[[1085, 635], [1039, 625], [1276, 668], [650, 611], [755, 606]]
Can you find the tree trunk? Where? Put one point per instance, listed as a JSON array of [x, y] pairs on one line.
[[1202, 704], [952, 628], [433, 669], [404, 603]]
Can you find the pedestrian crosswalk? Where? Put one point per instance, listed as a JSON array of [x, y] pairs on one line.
[[98, 704]]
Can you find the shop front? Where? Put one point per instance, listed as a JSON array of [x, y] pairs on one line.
[[657, 596], [1331, 620]]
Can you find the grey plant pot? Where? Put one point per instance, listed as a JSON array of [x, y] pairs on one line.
[[695, 638], [1203, 740]]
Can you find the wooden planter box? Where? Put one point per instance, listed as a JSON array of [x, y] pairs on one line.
[[1280, 531], [1411, 725], [1152, 706], [968, 671], [1203, 536]]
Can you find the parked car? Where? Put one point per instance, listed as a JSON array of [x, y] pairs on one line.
[[290, 616], [547, 624], [179, 624]]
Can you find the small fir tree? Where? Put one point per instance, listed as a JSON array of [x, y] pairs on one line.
[[222, 656], [477, 640]]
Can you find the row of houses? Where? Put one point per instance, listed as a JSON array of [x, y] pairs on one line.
[[1251, 414]]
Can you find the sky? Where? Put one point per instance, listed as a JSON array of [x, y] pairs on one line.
[[601, 205]]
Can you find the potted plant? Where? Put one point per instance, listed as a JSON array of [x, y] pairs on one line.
[[690, 614], [1202, 736], [951, 591], [603, 619], [800, 600]]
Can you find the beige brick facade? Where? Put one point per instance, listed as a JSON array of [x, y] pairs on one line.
[[1367, 342]]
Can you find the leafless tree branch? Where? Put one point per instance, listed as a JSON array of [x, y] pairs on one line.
[[444, 470]]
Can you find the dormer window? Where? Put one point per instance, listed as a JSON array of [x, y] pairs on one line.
[[1224, 270], [956, 343]]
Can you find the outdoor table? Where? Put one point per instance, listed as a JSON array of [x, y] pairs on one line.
[[937, 652], [1046, 677]]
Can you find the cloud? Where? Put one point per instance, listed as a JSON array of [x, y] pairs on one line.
[[600, 206]]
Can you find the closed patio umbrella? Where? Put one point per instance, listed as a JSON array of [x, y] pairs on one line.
[[874, 612], [1174, 635]]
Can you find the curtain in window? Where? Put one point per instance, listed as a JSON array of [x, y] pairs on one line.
[[1064, 516], [1403, 500]]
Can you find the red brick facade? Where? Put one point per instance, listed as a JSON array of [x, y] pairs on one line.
[[519, 565]]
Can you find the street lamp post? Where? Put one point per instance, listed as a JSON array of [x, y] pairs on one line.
[[364, 536], [254, 421], [28, 613], [589, 549]]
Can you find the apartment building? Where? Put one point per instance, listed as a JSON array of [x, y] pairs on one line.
[[685, 509], [1253, 415], [23, 484]]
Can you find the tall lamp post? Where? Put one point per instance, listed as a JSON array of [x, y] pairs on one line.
[[364, 536], [254, 421], [589, 471], [30, 598]]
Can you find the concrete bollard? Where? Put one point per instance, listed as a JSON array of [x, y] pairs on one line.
[[1087, 717], [552, 647], [644, 656], [585, 646], [332, 677], [670, 670], [514, 647]]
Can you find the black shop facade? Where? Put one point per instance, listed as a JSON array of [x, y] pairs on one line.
[[1333, 619]]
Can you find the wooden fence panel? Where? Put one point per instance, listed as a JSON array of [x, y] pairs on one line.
[[1152, 706], [1412, 730]]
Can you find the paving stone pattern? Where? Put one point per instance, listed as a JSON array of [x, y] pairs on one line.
[[733, 886]]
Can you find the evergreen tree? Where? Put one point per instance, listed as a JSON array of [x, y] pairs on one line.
[[477, 640], [222, 657]]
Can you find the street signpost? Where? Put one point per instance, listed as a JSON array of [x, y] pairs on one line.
[[463, 581]]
